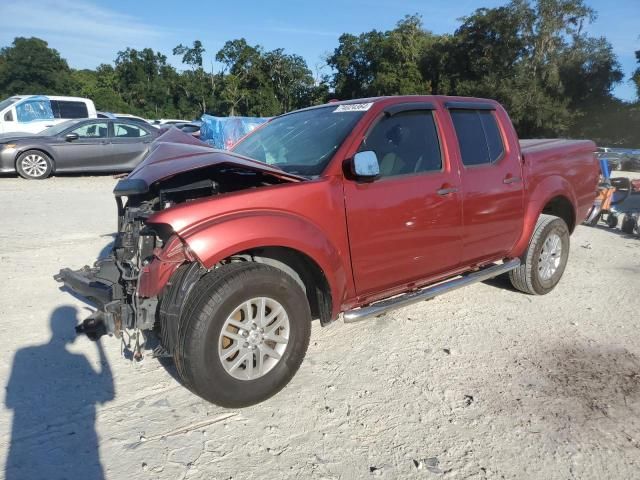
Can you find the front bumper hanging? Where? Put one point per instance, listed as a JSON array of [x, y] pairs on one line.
[[99, 285]]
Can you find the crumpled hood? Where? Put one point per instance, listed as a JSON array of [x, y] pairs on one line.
[[175, 151]]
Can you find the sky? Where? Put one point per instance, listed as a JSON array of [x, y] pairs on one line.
[[88, 33]]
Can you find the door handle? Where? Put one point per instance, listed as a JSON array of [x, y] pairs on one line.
[[511, 179], [446, 191]]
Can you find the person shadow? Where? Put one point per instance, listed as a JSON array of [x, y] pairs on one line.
[[53, 394]]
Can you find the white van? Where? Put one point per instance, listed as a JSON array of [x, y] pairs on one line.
[[34, 113]]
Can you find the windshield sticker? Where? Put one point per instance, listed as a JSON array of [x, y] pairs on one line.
[[353, 107]]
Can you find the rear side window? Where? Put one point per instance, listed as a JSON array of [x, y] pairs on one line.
[[69, 109], [406, 143], [478, 136], [124, 130]]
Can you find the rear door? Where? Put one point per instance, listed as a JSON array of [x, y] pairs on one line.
[[90, 151], [130, 143], [405, 225], [493, 210]]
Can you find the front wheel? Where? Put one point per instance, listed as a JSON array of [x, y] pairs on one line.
[[34, 165], [545, 259], [243, 335]]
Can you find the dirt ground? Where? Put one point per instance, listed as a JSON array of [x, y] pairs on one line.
[[484, 382]]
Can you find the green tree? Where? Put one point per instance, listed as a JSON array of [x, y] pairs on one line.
[[29, 66], [198, 87], [636, 75]]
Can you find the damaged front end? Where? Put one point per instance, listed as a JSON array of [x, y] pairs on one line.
[[129, 285], [125, 286]]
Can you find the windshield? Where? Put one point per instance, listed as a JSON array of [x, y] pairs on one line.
[[59, 128], [301, 143], [7, 102]]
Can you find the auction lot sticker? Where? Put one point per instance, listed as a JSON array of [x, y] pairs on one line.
[[353, 107]]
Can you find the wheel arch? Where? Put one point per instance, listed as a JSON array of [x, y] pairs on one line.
[[553, 196], [560, 206], [286, 241], [304, 270]]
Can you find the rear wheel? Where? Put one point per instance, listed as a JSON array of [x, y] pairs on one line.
[[243, 335], [545, 259], [34, 165]]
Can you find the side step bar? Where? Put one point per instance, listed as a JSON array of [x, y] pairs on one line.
[[427, 293]]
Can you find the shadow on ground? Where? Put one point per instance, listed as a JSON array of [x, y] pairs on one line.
[[53, 395], [588, 394]]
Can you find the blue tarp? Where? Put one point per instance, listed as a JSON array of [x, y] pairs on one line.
[[33, 109], [224, 132]]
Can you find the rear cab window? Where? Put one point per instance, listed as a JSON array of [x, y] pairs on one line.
[[478, 135], [69, 109]]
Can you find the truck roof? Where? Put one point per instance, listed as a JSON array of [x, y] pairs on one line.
[[398, 99]]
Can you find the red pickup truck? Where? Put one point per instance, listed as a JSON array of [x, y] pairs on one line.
[[351, 208]]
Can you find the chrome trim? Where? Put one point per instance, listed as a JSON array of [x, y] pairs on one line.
[[428, 293]]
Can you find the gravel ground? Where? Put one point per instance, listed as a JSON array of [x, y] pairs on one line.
[[484, 382]]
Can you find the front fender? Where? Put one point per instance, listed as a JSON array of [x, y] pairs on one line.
[[540, 195], [220, 238]]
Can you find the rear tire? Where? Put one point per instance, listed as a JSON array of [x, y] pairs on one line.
[[34, 165], [221, 356], [546, 258]]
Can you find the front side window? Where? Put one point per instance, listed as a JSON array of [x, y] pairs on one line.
[[92, 130], [405, 143], [303, 142], [125, 130], [478, 136], [34, 110]]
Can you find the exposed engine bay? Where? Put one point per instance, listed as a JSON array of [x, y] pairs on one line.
[[142, 248]]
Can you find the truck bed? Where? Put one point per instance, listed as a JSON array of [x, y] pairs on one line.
[[563, 162], [538, 144]]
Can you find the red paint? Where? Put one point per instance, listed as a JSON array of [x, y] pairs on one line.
[[377, 239], [156, 274]]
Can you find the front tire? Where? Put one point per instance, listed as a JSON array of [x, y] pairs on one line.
[[545, 259], [243, 335], [34, 165]]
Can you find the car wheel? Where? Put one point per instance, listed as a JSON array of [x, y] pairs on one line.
[[546, 257], [243, 334], [628, 225], [34, 165]]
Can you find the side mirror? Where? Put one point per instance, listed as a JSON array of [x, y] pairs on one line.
[[364, 165], [70, 137]]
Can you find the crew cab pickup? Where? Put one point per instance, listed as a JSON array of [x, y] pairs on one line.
[[346, 209]]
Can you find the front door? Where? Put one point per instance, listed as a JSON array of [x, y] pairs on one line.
[[90, 151], [405, 225]]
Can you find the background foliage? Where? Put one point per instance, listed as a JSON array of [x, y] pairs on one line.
[[532, 55]]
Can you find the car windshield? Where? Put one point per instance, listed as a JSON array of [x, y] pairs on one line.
[[59, 128], [7, 102], [302, 142]]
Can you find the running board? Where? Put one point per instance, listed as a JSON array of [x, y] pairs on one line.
[[427, 293]]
